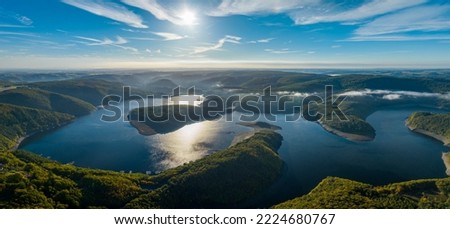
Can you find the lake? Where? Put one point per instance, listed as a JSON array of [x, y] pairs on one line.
[[310, 152]]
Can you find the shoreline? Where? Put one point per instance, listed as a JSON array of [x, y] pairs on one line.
[[20, 140], [348, 136], [259, 125], [143, 129], [440, 138], [242, 137], [446, 159], [256, 127]]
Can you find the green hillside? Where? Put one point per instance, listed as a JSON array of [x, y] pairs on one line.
[[224, 179], [360, 82], [221, 180], [438, 124], [16, 122], [91, 91], [44, 100], [337, 193]]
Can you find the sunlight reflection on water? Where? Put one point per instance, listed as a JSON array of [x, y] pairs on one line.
[[192, 142]]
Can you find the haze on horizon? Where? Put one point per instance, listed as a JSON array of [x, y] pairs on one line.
[[86, 34]]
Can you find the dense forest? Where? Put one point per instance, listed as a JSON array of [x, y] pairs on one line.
[[438, 124], [338, 193], [17, 122]]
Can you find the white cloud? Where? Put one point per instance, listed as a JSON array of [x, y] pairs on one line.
[[379, 20], [399, 38], [14, 26], [422, 18], [295, 94], [109, 10], [265, 40], [119, 42], [251, 7], [11, 19], [169, 36], [280, 51], [304, 12], [218, 45], [394, 95], [18, 34], [162, 13], [24, 20], [336, 46], [370, 9]]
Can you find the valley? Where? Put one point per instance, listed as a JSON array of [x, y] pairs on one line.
[[197, 164]]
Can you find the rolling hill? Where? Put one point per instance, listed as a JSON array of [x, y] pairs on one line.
[[338, 193], [17, 122], [38, 99], [91, 91]]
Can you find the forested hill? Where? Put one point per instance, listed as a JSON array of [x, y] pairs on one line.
[[434, 125], [89, 90], [224, 179], [338, 193], [17, 122], [34, 98]]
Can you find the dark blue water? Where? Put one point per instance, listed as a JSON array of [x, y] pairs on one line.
[[310, 153], [397, 154]]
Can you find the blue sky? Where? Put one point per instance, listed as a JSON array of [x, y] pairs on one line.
[[67, 34]]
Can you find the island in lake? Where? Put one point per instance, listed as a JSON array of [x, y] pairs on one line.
[[260, 125], [164, 119], [354, 129]]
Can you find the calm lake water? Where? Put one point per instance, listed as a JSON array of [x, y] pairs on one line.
[[310, 153]]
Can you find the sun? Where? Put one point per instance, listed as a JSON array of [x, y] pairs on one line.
[[188, 17]]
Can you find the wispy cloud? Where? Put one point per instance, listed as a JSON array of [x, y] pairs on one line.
[[245, 7], [423, 18], [162, 13], [14, 26], [109, 10], [24, 20], [142, 38], [332, 13], [266, 40], [169, 36], [304, 12], [18, 34], [119, 42], [280, 51], [218, 45], [158, 51], [14, 20], [399, 38]]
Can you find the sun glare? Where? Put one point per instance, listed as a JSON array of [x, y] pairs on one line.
[[188, 17]]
